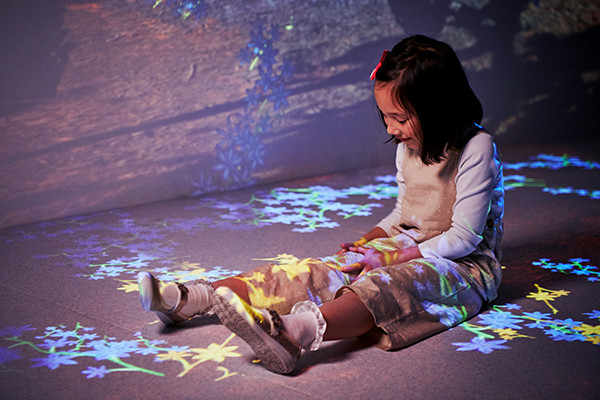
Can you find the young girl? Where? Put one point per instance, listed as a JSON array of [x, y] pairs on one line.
[[429, 265]]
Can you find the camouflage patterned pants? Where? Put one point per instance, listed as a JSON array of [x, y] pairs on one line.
[[409, 301]]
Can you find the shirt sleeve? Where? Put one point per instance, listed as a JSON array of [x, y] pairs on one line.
[[393, 218], [475, 182]]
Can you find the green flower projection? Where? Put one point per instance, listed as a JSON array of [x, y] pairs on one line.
[[98, 355], [549, 161], [504, 323]]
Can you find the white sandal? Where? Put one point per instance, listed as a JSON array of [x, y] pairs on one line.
[[261, 329]]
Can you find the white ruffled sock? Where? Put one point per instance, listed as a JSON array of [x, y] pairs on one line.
[[305, 324]]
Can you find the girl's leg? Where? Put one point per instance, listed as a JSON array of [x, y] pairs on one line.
[[277, 287], [238, 286], [346, 317]]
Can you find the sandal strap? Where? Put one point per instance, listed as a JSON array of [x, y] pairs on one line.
[[183, 290], [275, 322]]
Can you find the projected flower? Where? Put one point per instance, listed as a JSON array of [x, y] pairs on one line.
[[500, 320], [8, 355], [508, 326], [79, 344], [242, 149], [549, 161], [576, 266], [481, 345], [304, 209]]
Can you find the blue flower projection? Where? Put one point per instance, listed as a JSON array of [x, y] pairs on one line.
[[549, 161], [575, 266], [481, 345], [500, 320], [121, 247], [98, 355], [501, 325], [306, 209], [241, 150], [509, 327]]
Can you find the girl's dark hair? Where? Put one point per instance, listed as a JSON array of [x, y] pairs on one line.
[[427, 79]]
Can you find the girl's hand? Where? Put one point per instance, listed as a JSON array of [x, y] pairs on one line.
[[346, 246], [374, 233], [373, 259], [376, 259]]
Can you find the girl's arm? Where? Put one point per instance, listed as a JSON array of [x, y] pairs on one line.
[[479, 177]]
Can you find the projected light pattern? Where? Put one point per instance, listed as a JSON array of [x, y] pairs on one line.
[[516, 181], [549, 161], [123, 247], [98, 355], [183, 9], [306, 209], [164, 274], [575, 266], [179, 272], [241, 149], [505, 323]]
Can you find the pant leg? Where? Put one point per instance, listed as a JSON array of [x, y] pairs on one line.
[[417, 299], [280, 286]]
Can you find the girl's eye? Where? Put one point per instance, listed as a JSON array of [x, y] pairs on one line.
[[397, 120]]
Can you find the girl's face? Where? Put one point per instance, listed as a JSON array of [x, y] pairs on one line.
[[400, 124]]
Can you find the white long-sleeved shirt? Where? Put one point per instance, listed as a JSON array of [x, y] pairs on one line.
[[475, 220]]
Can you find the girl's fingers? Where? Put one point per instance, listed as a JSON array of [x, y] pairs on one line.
[[357, 249], [345, 246], [352, 267]]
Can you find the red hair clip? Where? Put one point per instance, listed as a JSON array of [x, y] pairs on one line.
[[385, 53]]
